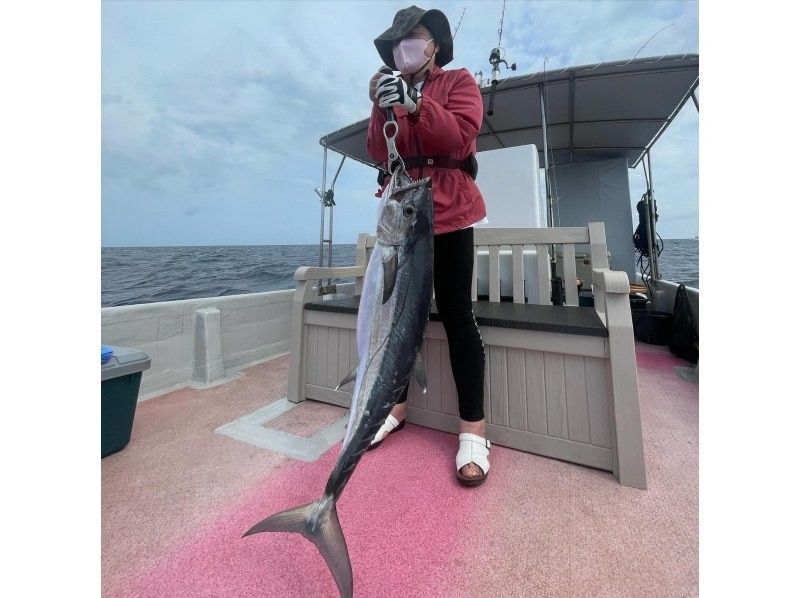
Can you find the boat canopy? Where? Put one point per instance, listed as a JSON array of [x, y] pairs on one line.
[[598, 111]]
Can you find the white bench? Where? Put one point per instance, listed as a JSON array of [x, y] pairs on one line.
[[561, 381]]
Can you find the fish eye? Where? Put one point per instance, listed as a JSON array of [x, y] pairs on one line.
[[408, 210]]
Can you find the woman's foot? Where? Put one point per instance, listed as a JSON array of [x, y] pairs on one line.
[[395, 421], [399, 412], [471, 471]]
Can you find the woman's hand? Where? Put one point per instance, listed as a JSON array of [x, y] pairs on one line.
[[393, 91], [373, 85]]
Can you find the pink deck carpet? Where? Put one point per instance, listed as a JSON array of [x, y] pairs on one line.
[[537, 527]]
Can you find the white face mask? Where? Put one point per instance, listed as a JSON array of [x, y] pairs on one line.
[[409, 55]]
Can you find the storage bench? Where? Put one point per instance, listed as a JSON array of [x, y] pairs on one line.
[[560, 380]]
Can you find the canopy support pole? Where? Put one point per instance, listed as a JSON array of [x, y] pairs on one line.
[[546, 160], [571, 117], [322, 205], [555, 281], [651, 220], [328, 200], [326, 203], [669, 120]]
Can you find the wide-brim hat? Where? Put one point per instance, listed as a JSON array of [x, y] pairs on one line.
[[408, 18]]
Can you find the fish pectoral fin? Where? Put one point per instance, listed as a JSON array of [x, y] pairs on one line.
[[348, 378], [419, 374], [389, 274]]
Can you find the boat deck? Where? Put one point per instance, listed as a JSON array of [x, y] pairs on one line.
[[177, 499]]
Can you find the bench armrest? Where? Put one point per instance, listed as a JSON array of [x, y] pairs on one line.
[[305, 275], [611, 281], [611, 303], [316, 273]]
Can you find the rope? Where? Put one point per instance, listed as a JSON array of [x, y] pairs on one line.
[[640, 244]]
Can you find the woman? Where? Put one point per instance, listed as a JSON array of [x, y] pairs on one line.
[[439, 114]]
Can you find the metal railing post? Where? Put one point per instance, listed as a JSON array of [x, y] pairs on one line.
[[322, 204], [651, 204]]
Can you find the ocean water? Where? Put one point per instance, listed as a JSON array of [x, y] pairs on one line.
[[132, 275], [679, 261], [147, 274]]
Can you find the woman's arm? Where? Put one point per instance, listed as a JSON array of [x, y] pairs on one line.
[[448, 128]]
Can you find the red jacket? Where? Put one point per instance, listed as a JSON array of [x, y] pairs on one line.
[[446, 124]]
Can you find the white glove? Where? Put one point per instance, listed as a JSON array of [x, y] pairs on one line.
[[393, 91]]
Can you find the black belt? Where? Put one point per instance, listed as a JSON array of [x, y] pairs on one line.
[[436, 161], [468, 164]]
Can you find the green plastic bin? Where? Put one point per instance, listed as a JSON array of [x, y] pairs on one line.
[[120, 379]]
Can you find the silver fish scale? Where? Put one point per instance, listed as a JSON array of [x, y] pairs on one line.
[[389, 335], [374, 323]]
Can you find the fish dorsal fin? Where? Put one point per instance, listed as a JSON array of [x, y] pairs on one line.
[[389, 274], [348, 378], [419, 373]]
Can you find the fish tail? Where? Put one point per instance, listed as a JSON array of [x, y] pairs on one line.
[[319, 523]]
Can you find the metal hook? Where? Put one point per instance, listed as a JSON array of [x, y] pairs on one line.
[[397, 167], [390, 143]]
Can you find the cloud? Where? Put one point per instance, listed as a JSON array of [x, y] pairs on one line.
[[580, 33], [107, 99], [212, 108], [192, 210]]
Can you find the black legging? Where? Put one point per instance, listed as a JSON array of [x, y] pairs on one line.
[[452, 281]]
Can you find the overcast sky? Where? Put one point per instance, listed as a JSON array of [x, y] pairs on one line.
[[212, 111]]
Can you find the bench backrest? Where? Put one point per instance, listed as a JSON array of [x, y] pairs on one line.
[[544, 240]]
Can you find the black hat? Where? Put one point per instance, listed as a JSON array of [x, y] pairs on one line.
[[408, 18]]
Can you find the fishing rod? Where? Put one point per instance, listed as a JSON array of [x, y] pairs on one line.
[[556, 283], [495, 59], [463, 12]]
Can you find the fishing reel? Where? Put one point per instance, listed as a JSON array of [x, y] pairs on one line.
[[496, 60], [326, 197]]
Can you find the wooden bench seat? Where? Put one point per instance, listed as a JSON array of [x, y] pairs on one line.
[[560, 381], [563, 319]]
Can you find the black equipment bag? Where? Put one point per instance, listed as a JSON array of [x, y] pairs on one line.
[[685, 342]]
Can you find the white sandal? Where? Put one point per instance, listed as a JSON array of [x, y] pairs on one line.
[[472, 449], [390, 425]]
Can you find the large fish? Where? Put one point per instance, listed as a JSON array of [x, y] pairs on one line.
[[392, 315]]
